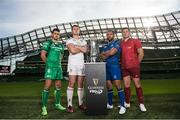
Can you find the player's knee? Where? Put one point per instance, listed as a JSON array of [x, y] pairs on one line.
[[118, 86], [58, 86], [137, 84], [127, 82], [80, 85], [109, 86], [46, 87], [126, 85], [71, 84]]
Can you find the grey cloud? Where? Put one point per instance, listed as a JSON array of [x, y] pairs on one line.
[[32, 14]]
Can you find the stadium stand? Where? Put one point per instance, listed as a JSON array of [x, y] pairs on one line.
[[159, 34]]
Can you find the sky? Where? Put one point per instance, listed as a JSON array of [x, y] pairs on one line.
[[20, 16]]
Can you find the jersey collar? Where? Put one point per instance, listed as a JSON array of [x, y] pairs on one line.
[[111, 41], [126, 40]]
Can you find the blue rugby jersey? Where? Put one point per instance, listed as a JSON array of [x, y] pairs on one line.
[[114, 59]]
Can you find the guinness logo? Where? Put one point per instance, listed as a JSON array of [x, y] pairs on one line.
[[95, 81]]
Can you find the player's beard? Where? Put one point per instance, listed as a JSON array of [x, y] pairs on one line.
[[110, 39], [55, 40], [126, 36]]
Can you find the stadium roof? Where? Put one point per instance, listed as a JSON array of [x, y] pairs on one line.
[[161, 31]]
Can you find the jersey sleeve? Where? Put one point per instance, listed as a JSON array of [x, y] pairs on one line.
[[117, 45], [69, 41], [138, 44], [81, 42], [46, 46], [104, 48], [84, 43], [62, 52]]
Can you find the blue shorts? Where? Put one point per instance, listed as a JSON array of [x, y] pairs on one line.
[[113, 72]]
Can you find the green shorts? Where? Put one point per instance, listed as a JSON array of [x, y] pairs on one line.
[[53, 73]]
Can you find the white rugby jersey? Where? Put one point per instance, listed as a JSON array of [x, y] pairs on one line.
[[76, 59]]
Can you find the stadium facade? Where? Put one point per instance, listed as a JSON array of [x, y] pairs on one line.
[[159, 34]]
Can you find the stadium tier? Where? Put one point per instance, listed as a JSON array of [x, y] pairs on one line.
[[159, 34]]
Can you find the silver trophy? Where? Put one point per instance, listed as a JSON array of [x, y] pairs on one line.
[[93, 47], [94, 51]]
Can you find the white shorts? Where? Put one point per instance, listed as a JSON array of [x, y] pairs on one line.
[[76, 70]]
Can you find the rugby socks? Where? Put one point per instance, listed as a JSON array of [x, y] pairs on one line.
[[140, 96], [80, 93], [121, 97], [45, 95], [110, 96], [57, 95], [69, 95], [127, 94]]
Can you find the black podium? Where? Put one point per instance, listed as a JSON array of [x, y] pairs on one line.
[[95, 88]]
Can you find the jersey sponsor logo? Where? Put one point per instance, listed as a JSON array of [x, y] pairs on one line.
[[56, 48], [45, 43], [111, 45]]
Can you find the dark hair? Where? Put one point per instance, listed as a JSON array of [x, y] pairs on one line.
[[111, 31], [125, 28], [56, 29], [74, 26]]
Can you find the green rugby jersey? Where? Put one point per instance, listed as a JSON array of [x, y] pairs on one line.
[[54, 50]]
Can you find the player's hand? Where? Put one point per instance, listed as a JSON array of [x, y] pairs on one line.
[[101, 56]]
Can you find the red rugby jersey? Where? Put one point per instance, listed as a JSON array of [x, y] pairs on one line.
[[129, 55]]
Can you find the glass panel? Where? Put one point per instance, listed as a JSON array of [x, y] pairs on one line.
[[26, 38], [19, 39], [12, 41], [40, 33]]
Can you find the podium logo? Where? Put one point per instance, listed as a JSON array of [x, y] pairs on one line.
[[95, 81], [96, 91]]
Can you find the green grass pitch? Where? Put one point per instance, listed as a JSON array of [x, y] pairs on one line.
[[23, 100]]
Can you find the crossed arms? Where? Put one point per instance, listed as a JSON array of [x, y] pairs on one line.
[[108, 53], [76, 49]]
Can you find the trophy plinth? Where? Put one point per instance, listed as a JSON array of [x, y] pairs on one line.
[[95, 87]]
